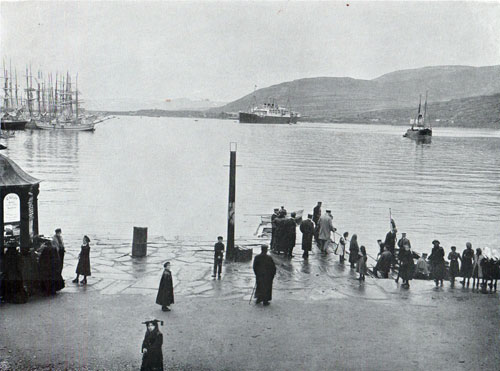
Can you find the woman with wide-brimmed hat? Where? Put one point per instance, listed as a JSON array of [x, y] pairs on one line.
[[437, 263]]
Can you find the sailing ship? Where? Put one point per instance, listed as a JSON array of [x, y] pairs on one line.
[[269, 113], [419, 128], [12, 117]]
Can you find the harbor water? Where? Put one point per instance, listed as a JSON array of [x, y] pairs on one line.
[[171, 175]]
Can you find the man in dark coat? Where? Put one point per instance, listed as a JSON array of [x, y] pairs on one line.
[[50, 269], [264, 269], [307, 229], [383, 263], [280, 233], [165, 295], [291, 235], [315, 219], [390, 241], [218, 256]]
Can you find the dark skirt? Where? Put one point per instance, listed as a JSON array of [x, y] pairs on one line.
[[466, 271], [438, 271], [454, 271], [406, 271], [83, 266], [165, 295]]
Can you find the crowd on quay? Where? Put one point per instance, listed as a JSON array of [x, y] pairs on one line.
[[39, 269], [394, 255]]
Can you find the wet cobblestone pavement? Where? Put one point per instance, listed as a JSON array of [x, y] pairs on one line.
[[322, 277]]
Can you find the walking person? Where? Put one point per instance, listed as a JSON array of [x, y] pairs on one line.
[[353, 250], [152, 356], [437, 263], [165, 295], [467, 264], [477, 272], [341, 248], [307, 229], [325, 229], [83, 266], [218, 256], [453, 257], [265, 270], [315, 219], [362, 263]]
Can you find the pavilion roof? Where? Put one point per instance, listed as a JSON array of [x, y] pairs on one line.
[[11, 175]]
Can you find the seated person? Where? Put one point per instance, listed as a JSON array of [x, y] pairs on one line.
[[422, 268]]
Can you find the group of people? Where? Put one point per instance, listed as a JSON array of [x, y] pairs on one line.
[[284, 231], [39, 269]]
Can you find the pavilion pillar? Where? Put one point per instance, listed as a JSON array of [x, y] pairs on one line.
[[24, 235], [35, 190], [2, 227]]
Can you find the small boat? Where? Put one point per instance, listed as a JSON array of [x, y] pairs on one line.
[[12, 122], [65, 125], [419, 130]]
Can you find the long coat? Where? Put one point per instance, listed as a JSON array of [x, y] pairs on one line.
[[50, 270], [152, 360], [437, 263], [280, 241], [325, 227], [467, 266], [353, 252], [390, 241], [406, 264], [13, 279], [290, 233], [384, 262], [83, 266], [166, 290], [264, 269], [307, 229]]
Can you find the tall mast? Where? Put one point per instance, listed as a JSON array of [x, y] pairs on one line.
[[28, 91], [5, 88], [10, 85], [419, 107], [56, 91], [17, 100], [76, 98], [38, 93], [425, 107]]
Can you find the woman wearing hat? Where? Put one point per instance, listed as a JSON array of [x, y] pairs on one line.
[[152, 356], [437, 263], [165, 295], [83, 266]]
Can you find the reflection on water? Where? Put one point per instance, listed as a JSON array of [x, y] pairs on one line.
[[168, 174]]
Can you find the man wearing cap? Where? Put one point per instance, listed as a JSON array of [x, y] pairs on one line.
[[218, 256], [383, 263], [280, 233], [307, 229], [404, 241], [264, 269], [290, 234], [325, 229]]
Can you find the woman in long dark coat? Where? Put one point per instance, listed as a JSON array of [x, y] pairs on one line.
[[13, 278], [152, 356], [467, 265], [437, 263], [353, 250], [51, 280], [165, 295], [83, 266], [453, 257]]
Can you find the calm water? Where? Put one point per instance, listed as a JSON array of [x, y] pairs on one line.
[[168, 174]]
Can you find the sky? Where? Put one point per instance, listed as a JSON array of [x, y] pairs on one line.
[[221, 50]]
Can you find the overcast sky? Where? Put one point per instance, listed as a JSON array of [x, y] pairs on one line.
[[220, 50]]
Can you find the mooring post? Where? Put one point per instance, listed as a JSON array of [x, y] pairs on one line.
[[140, 242], [230, 253]]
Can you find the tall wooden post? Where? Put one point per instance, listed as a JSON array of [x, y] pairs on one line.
[[230, 251]]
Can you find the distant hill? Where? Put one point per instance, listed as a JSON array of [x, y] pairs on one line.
[[482, 111], [333, 98]]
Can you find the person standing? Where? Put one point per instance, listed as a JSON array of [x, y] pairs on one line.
[[325, 229], [437, 263], [152, 356], [218, 256], [307, 229], [406, 265], [315, 219], [477, 272], [403, 241], [341, 248], [58, 243], [390, 240], [83, 266], [353, 250], [467, 265], [265, 270], [362, 263], [291, 234], [453, 257], [273, 228], [165, 295], [280, 232], [14, 291], [50, 269]]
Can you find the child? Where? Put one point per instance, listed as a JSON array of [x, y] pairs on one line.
[[152, 357], [165, 295], [362, 263], [477, 272], [218, 256], [83, 266], [453, 257], [341, 248]]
